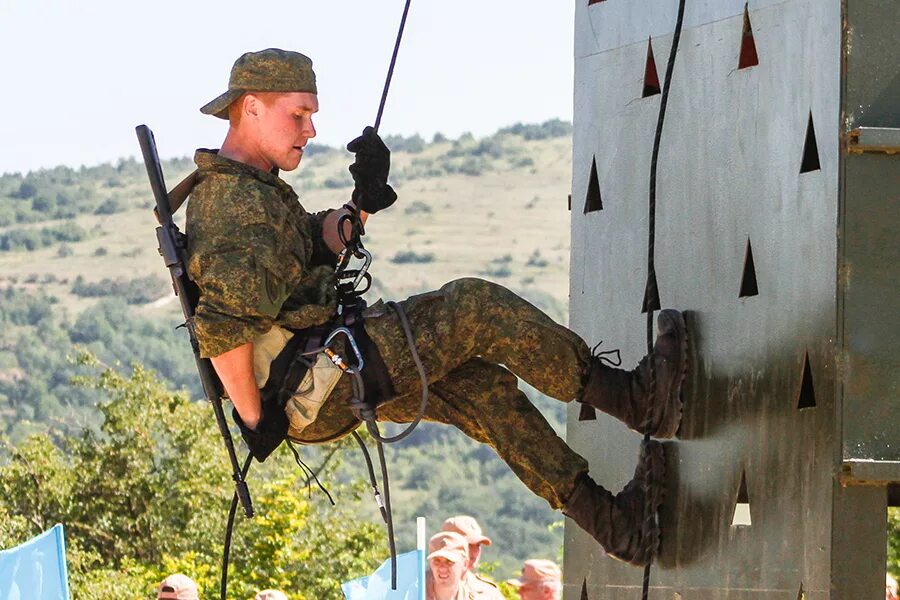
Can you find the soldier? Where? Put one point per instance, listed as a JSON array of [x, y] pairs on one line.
[[264, 268], [541, 580], [468, 527], [448, 557]]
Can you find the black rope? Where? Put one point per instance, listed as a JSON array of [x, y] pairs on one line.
[[309, 474], [651, 246], [229, 528], [390, 74]]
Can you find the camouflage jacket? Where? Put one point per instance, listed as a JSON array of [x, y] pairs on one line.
[[257, 256]]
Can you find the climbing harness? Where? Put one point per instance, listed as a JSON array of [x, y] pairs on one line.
[[651, 294]]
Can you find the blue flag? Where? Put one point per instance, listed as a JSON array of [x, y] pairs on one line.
[[36, 570], [377, 586]]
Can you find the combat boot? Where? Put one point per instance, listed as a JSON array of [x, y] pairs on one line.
[[631, 396], [626, 524]]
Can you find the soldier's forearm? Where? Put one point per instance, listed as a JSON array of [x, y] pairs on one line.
[[235, 369], [330, 228]]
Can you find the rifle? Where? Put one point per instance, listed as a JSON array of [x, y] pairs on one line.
[[173, 248]]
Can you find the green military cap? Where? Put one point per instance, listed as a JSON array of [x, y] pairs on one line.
[[270, 70]]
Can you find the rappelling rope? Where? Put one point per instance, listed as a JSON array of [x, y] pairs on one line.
[[651, 245]]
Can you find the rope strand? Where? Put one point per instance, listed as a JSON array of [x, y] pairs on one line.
[[651, 242]]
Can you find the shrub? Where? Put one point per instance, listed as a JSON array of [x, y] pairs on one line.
[[411, 257], [342, 181], [110, 206], [26, 190], [140, 290], [413, 144], [536, 260], [553, 128], [417, 207]]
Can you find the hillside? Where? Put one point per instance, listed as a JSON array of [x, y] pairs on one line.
[[79, 265]]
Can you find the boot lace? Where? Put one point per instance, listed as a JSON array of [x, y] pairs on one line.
[[604, 356]]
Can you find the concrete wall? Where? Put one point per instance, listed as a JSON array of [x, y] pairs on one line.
[[729, 173]]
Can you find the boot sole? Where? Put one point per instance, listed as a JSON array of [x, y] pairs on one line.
[[671, 422], [653, 455]]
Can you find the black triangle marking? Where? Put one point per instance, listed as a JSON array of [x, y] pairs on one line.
[[584, 594], [749, 286], [593, 201], [595, 1], [651, 294], [748, 57], [807, 396], [810, 149], [741, 515], [651, 77], [587, 413]]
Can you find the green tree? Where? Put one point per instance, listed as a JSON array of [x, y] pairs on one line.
[[147, 495], [893, 562]]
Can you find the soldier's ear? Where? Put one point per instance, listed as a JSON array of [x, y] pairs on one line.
[[251, 104]]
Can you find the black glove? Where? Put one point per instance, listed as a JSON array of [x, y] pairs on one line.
[[371, 191], [269, 433]]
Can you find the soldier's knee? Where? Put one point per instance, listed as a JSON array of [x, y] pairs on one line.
[[472, 287]]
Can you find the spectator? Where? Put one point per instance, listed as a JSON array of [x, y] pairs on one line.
[[270, 595], [890, 589], [178, 587], [540, 580], [448, 561], [468, 527]]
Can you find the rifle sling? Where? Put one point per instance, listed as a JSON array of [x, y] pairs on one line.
[[180, 193]]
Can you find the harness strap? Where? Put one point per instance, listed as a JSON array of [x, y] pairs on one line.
[[376, 378]]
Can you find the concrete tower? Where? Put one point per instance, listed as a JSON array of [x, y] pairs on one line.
[[776, 230]]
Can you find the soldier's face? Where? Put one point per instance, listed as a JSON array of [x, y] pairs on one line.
[[474, 555], [447, 574], [536, 591], [285, 125]]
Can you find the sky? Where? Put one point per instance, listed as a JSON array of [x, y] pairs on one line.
[[79, 75]]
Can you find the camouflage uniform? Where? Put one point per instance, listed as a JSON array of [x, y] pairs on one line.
[[259, 259]]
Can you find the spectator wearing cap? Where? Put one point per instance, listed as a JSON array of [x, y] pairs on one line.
[[468, 527], [448, 561], [540, 580], [270, 595], [177, 587]]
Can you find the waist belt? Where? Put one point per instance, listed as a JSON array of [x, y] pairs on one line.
[[290, 366]]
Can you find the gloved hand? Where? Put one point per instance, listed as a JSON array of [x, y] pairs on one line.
[[371, 191], [269, 433]]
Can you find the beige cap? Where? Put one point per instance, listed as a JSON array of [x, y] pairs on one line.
[[178, 587], [468, 527], [449, 545], [270, 595], [537, 570]]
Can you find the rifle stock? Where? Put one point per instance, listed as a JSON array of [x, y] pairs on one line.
[[172, 248]]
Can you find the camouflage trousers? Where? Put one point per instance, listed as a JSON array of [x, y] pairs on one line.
[[464, 333]]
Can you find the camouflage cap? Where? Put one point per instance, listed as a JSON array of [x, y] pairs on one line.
[[270, 70]]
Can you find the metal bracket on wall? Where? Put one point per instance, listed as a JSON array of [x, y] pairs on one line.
[[869, 472], [874, 139]]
